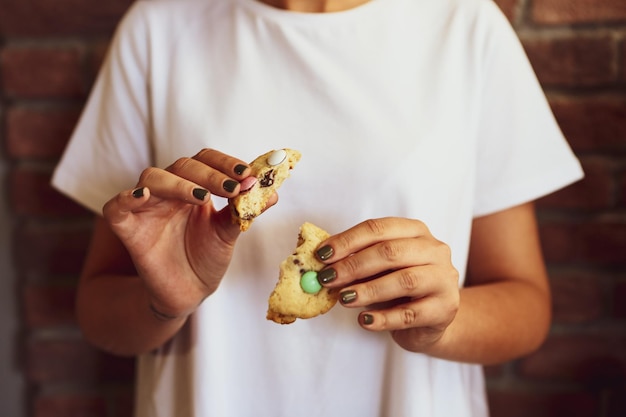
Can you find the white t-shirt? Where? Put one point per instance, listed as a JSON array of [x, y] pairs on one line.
[[424, 109]]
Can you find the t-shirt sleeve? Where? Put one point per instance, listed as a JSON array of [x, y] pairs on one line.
[[110, 145], [521, 152]]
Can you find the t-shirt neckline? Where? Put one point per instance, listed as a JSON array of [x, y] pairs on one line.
[[371, 8]]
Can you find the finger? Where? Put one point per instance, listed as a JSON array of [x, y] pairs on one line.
[[226, 164], [369, 233], [206, 176], [414, 282], [166, 185], [117, 209], [272, 201], [379, 258], [423, 314]]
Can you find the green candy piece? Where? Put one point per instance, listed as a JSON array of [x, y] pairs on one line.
[[309, 282]]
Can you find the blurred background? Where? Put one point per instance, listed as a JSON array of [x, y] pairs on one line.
[[50, 51]]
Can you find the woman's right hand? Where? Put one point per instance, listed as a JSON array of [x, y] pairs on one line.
[[180, 244]]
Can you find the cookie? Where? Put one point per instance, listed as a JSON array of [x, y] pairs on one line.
[[268, 173], [297, 294]]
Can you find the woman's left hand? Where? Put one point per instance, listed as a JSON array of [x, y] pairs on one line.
[[399, 273]]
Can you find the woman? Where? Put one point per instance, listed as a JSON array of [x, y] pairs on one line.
[[425, 138]]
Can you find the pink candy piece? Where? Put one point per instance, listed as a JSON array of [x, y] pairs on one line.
[[247, 183]]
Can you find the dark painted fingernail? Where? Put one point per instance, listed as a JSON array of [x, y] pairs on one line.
[[367, 319], [138, 193], [326, 276], [230, 185], [348, 296], [200, 193], [239, 169], [325, 252]]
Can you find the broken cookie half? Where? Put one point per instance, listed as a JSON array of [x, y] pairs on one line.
[[297, 294], [269, 170]]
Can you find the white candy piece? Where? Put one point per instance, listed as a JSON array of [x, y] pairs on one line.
[[277, 157]]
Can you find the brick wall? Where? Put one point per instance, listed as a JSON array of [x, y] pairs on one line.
[[578, 49], [49, 53]]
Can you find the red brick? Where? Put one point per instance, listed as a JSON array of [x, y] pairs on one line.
[[41, 72], [616, 399], [619, 299], [74, 361], [123, 403], [594, 191], [46, 306], [97, 57], [535, 403], [565, 12], [32, 195], [39, 133], [592, 123], [622, 192], [578, 297], [47, 251], [599, 243], [70, 405], [60, 17], [509, 8], [596, 359], [623, 62], [572, 61]]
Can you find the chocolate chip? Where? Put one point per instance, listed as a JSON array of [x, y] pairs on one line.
[[268, 179]]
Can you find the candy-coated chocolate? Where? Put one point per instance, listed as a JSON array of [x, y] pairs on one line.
[[309, 282], [248, 183], [277, 157]]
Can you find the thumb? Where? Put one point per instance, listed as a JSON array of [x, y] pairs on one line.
[[225, 227]]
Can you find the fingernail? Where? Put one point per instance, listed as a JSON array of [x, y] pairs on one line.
[[367, 319], [326, 276], [239, 169], [325, 252], [138, 193], [347, 296], [200, 193], [230, 185]]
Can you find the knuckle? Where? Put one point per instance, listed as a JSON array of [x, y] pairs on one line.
[[455, 302], [370, 292], [454, 275], [212, 156], [352, 265], [390, 250], [444, 249], [420, 224], [375, 226], [450, 312], [203, 153], [420, 227], [408, 280], [180, 164], [343, 242], [408, 316], [147, 174], [182, 187], [448, 307]]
